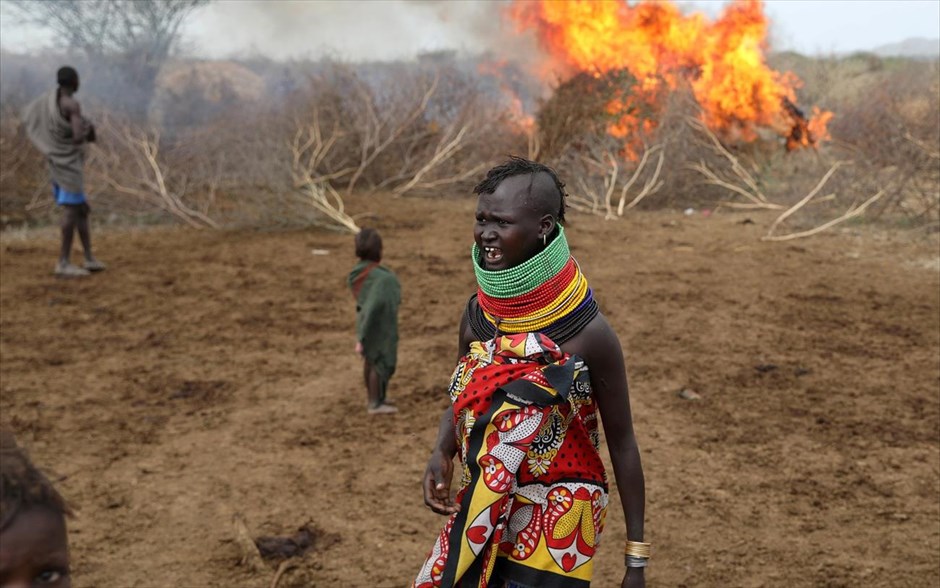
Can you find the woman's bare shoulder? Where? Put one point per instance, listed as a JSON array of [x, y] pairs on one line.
[[596, 341]]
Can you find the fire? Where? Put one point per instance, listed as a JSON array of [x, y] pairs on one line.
[[722, 61], [498, 70]]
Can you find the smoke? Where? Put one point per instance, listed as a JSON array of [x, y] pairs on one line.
[[354, 31]]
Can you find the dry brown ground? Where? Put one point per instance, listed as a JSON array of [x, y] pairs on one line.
[[209, 373]]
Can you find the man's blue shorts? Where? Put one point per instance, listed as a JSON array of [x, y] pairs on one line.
[[63, 196]]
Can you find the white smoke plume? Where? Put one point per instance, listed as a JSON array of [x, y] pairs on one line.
[[354, 31]]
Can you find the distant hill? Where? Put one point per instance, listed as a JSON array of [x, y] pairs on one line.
[[915, 47]]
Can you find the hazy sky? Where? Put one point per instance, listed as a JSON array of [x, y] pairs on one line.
[[387, 29]]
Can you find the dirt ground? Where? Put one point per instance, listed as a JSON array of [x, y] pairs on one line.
[[209, 374]]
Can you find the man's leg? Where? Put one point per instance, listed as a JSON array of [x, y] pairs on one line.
[[84, 233], [64, 268], [68, 230]]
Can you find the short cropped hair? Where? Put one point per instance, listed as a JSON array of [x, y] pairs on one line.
[[369, 245], [553, 201], [67, 77], [22, 485]]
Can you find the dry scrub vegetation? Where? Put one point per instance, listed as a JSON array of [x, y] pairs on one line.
[[259, 143], [883, 159]]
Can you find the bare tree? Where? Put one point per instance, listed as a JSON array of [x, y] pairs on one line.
[[135, 36]]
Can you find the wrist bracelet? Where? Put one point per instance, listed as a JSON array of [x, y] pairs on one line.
[[632, 561]]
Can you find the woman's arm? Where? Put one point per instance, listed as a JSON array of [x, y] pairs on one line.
[[437, 475], [440, 468], [600, 349]]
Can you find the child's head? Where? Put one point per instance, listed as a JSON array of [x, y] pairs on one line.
[[369, 245], [34, 547]]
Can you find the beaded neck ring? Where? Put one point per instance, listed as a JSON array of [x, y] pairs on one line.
[[547, 294], [527, 275]]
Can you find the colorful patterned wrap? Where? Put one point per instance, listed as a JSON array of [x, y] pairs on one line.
[[534, 492]]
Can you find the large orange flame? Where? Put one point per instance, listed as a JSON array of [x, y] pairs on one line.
[[722, 60]]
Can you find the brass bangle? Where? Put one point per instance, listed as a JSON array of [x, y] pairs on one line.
[[637, 549]]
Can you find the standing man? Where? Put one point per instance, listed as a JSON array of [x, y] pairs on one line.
[[378, 294], [55, 125]]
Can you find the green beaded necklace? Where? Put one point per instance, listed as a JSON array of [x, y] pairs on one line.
[[526, 276]]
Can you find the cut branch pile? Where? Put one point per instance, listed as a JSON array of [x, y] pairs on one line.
[[23, 176], [599, 180], [742, 183], [129, 162], [747, 187]]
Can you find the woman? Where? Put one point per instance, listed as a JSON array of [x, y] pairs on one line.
[[535, 358]]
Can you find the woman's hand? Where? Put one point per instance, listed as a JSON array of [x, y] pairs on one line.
[[437, 484], [634, 578], [359, 347]]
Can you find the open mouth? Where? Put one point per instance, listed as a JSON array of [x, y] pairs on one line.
[[492, 254]]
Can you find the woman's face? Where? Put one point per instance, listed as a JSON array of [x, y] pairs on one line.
[[509, 229]]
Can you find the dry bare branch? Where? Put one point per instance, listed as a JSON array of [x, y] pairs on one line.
[[636, 174], [535, 143], [757, 201], [283, 567], [849, 214], [736, 166], [40, 200], [126, 146], [12, 147], [748, 206], [809, 196], [251, 557], [581, 203], [373, 144], [141, 148], [442, 153], [751, 191], [309, 150], [328, 202], [610, 183], [465, 175], [928, 151], [651, 186]]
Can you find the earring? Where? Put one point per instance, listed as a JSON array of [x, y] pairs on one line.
[[544, 240]]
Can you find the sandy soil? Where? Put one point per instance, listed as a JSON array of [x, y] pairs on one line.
[[212, 373]]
